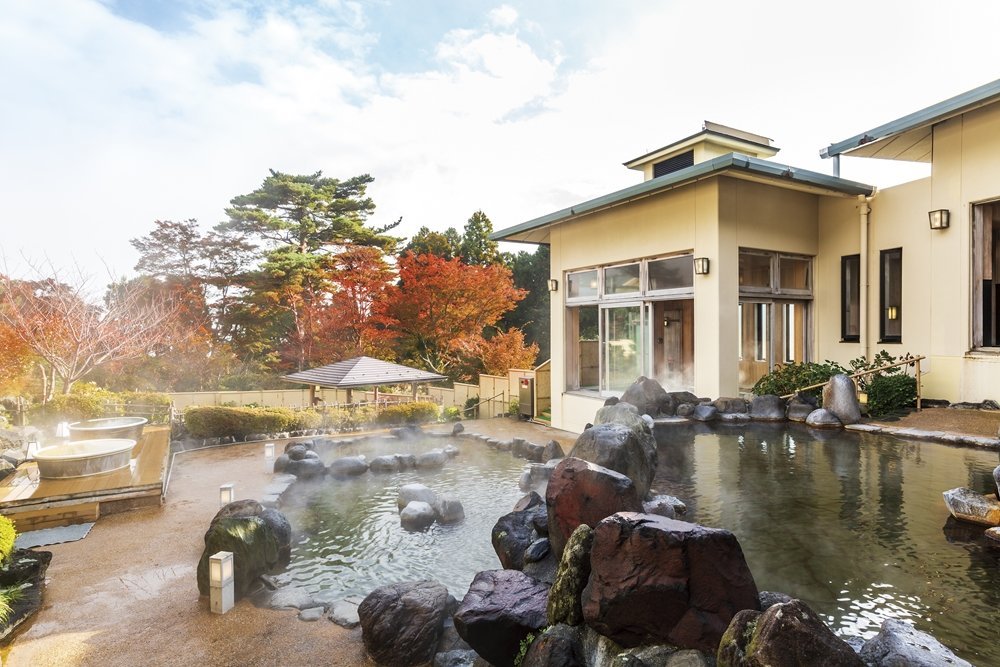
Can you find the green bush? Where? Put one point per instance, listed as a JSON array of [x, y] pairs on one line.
[[346, 420], [8, 534], [787, 378], [888, 393], [407, 413], [471, 408], [218, 422], [451, 414], [152, 405], [514, 408]]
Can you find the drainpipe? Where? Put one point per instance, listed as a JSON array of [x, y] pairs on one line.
[[864, 209]]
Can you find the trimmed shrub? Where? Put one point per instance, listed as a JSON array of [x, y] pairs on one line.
[[451, 414], [787, 378], [149, 404], [218, 422], [888, 393], [407, 413], [8, 534]]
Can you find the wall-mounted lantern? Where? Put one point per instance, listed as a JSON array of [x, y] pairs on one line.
[[221, 583], [553, 285], [940, 219], [701, 266], [891, 312]]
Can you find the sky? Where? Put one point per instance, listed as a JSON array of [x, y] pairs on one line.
[[116, 113]]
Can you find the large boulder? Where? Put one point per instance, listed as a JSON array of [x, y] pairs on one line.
[[664, 505], [500, 610], [558, 646], [448, 509], [630, 451], [704, 412], [571, 578], [416, 515], [622, 413], [402, 623], [348, 466], [26, 570], [553, 450], [515, 531], [581, 492], [306, 468], [799, 408], [410, 492], [970, 505], [731, 406], [786, 635], [841, 398], [385, 463], [822, 418], [646, 395], [658, 580], [767, 408], [254, 547], [899, 643], [432, 460]]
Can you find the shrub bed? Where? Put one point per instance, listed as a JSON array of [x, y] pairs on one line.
[[218, 422], [407, 413]]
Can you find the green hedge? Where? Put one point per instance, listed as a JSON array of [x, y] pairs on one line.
[[407, 413], [8, 534], [218, 422], [888, 393], [88, 401]]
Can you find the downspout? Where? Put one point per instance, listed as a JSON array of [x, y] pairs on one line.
[[864, 209]]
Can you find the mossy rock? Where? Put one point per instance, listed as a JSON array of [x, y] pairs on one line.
[[574, 569], [254, 547]]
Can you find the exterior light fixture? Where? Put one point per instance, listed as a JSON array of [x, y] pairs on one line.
[[62, 430], [940, 219], [226, 494], [553, 285], [701, 266], [268, 457], [31, 450], [221, 583], [891, 312]]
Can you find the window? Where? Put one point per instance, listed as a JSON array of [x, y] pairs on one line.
[[850, 298], [583, 364], [891, 303], [672, 273], [622, 280], [581, 285], [755, 270], [794, 274], [986, 275]]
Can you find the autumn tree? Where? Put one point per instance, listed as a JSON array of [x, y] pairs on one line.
[[74, 333], [442, 307], [15, 359]]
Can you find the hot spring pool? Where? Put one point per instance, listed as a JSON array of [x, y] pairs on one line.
[[852, 524]]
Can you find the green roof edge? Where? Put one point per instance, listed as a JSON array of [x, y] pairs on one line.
[[701, 170], [953, 106]]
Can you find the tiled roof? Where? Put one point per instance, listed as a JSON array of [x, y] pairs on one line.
[[362, 372]]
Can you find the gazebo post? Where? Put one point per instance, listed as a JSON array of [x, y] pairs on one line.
[[312, 395], [414, 391], [376, 397], [350, 396]]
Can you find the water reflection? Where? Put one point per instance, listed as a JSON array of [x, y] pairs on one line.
[[851, 524]]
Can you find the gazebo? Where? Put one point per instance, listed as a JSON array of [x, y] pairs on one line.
[[361, 372]]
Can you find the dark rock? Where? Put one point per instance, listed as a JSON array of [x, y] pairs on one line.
[[450, 639], [899, 643], [705, 412], [310, 454], [656, 580], [788, 634], [457, 658], [432, 460], [348, 466], [386, 463], [402, 623], [619, 413], [730, 405], [416, 515], [500, 610], [459, 427], [630, 451], [448, 509], [799, 408], [684, 409], [580, 492], [841, 398], [544, 569], [768, 599], [970, 505], [996, 481], [296, 452], [664, 505], [537, 550], [237, 508], [552, 450], [281, 528], [406, 461], [514, 532], [645, 394], [527, 502], [767, 408], [306, 468], [517, 447], [254, 547], [406, 432], [25, 568], [822, 418], [281, 463], [558, 646], [410, 492], [612, 400], [533, 452], [571, 578]]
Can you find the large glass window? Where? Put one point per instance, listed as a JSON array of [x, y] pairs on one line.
[[891, 272], [986, 275], [622, 347], [671, 273], [620, 280], [755, 270], [581, 284], [850, 298], [583, 362]]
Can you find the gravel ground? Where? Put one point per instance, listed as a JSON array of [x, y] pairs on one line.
[[126, 594]]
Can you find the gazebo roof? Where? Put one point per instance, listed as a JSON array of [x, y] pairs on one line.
[[362, 372]]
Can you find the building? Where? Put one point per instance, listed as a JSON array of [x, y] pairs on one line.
[[724, 262]]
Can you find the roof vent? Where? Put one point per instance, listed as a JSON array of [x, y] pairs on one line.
[[672, 164]]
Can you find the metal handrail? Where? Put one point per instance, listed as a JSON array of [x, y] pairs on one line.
[[909, 361]]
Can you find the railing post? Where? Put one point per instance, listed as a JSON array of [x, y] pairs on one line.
[[918, 384]]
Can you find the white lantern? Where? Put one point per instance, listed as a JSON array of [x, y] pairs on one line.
[[268, 457], [221, 583], [227, 494]]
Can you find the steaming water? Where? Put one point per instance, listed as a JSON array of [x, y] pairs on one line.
[[853, 525], [348, 539]]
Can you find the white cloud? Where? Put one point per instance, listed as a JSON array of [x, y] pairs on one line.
[[503, 16]]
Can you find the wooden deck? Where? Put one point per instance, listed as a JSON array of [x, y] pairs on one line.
[[34, 503]]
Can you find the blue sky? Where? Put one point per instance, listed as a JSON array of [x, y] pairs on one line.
[[115, 113]]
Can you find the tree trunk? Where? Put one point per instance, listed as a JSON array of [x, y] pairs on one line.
[[46, 386]]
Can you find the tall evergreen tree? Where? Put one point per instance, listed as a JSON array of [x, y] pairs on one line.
[[477, 248]]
